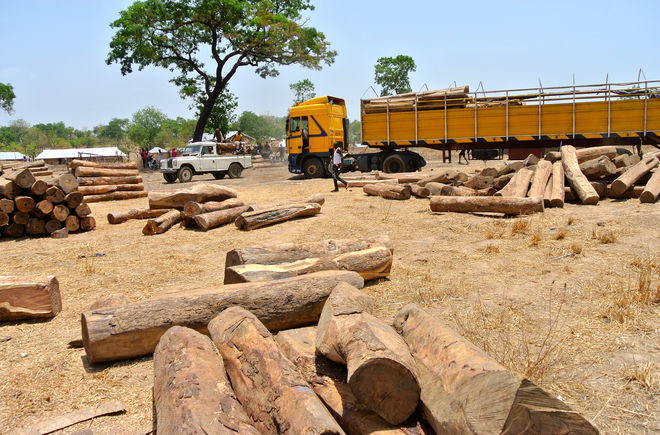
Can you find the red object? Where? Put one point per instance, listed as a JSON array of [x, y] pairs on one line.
[[522, 153], [173, 153]]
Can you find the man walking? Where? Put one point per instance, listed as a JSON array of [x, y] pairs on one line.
[[336, 167]]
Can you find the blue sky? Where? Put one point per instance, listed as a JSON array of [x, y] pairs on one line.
[[53, 53]]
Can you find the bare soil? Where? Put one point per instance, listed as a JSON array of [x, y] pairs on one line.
[[555, 296]]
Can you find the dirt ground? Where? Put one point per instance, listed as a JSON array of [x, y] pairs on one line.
[[565, 297]]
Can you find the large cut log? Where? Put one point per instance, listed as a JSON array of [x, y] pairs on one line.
[[67, 182], [72, 223], [60, 212], [73, 199], [518, 185], [290, 252], [419, 191], [86, 171], [55, 195], [20, 217], [652, 189], [101, 181], [633, 192], [162, 223], [511, 167], [43, 207], [124, 165], [7, 205], [38, 188], [601, 188], [87, 223], [552, 156], [540, 178], [23, 297], [134, 330], [547, 194], [202, 192], [4, 219], [96, 190], [585, 154], [114, 196], [51, 226], [558, 194], [479, 181], [371, 263], [9, 189], [316, 198], [23, 178], [110, 300], [402, 177], [135, 213], [625, 181], [503, 180], [466, 391], [256, 219], [362, 183], [83, 210], [272, 392], [598, 168], [24, 203], [214, 219], [622, 160], [576, 178], [193, 208], [487, 204], [192, 394], [457, 191], [435, 188], [13, 230], [380, 369], [445, 177], [388, 190], [130, 187]]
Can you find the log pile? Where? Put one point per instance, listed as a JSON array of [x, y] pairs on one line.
[[39, 168], [107, 181], [34, 207]]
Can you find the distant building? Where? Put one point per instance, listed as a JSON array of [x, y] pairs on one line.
[[62, 156], [11, 156]]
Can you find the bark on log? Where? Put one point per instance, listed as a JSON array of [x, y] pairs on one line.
[[7, 205], [39, 188], [73, 199], [4, 219], [192, 394], [503, 180], [518, 185], [362, 183], [52, 225], [193, 208], [83, 210], [540, 178], [552, 156], [214, 219], [162, 223], [55, 195], [9, 189], [23, 178], [130, 187], [96, 190], [13, 230], [558, 193], [435, 188], [67, 182], [598, 168], [111, 300], [388, 190], [256, 219], [133, 330], [87, 223], [576, 178], [101, 181], [445, 177], [72, 223], [419, 191], [622, 160], [625, 181], [402, 177], [60, 212], [465, 391], [547, 193], [585, 154], [29, 297], [24, 203], [511, 167], [272, 392], [601, 188], [570, 195], [135, 213], [125, 165], [633, 192], [479, 182], [487, 204], [114, 196], [652, 189], [381, 372], [86, 171], [202, 192]]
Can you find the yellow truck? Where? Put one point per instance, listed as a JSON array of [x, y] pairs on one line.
[[584, 115]]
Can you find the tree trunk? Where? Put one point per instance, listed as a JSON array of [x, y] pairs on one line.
[[625, 181], [85, 171], [214, 219], [73, 199], [466, 391], [435, 188], [271, 390], [362, 183], [44, 207], [419, 191], [479, 181], [193, 208], [4, 219], [518, 185], [55, 195], [547, 194], [13, 230], [257, 219], [371, 263], [402, 177], [457, 191], [110, 300], [62, 233], [162, 223], [540, 178], [202, 192], [652, 189], [23, 178], [576, 178], [388, 190], [558, 194], [381, 371], [133, 330], [552, 156], [503, 180], [598, 168], [87, 223], [52, 225], [633, 192], [135, 213], [97, 190], [7, 205], [585, 154], [100, 181], [67, 182], [23, 297], [83, 210], [38, 188], [24, 203], [487, 204], [20, 217], [9, 189], [601, 188], [445, 177], [72, 223], [130, 187], [622, 160], [192, 394], [114, 196], [60, 212], [125, 165]]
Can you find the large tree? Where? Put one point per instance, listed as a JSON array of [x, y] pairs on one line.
[[303, 90], [182, 35], [145, 126], [392, 74], [7, 97]]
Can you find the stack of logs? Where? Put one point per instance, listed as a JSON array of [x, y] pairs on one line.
[[38, 168], [107, 181], [41, 206]]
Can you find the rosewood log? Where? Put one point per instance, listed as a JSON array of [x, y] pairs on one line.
[[55, 195], [72, 223], [7, 205], [23, 178], [73, 199], [435, 188], [13, 230], [193, 208], [9, 189], [625, 181], [43, 207], [540, 178], [558, 194], [598, 168], [388, 190], [114, 196], [100, 181], [445, 177], [38, 188], [124, 165], [652, 189], [130, 187], [576, 178], [162, 223], [83, 210], [256, 219], [547, 193], [518, 185], [87, 223], [202, 192], [24, 203], [67, 182], [86, 171], [135, 213], [96, 190], [52, 225], [214, 219], [36, 226], [457, 191], [60, 212], [29, 297], [487, 204], [585, 154], [4, 219], [20, 217], [419, 191]]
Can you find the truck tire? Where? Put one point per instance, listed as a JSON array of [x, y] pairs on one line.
[[235, 170], [219, 175], [394, 164], [170, 177], [185, 174], [313, 168]]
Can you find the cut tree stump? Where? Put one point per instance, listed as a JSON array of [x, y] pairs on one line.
[[381, 371], [518, 185], [202, 192], [192, 394], [576, 178], [634, 173], [598, 168], [388, 190], [162, 223], [558, 194], [114, 196], [256, 219], [652, 189], [487, 204], [27, 297], [540, 178], [133, 330], [135, 213], [100, 181], [214, 219]]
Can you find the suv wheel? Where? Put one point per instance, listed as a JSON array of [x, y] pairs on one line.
[[170, 177], [219, 175], [185, 174], [235, 170]]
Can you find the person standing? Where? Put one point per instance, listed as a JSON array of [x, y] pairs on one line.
[[462, 155], [336, 167]]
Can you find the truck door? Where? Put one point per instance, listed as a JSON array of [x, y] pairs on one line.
[[295, 140], [208, 158], [304, 132]]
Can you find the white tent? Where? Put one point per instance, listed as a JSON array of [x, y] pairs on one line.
[[156, 150], [77, 153], [11, 155]]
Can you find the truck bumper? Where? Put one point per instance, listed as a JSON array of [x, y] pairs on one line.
[[294, 167], [168, 170]]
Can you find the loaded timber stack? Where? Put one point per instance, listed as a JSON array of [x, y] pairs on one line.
[[31, 206], [39, 168], [108, 181]]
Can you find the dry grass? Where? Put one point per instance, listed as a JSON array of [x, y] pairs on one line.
[[647, 375], [604, 236], [491, 249], [626, 298], [520, 226], [560, 235], [536, 238]]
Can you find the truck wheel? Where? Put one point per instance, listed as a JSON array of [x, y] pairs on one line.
[[219, 175], [170, 177], [235, 170], [393, 164], [185, 174], [313, 168]]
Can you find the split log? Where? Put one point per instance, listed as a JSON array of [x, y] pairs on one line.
[[372, 263], [585, 154], [135, 213], [71, 418], [466, 391], [39, 188], [419, 191], [23, 297], [162, 223], [7, 205], [622, 160], [202, 192], [124, 165], [479, 181], [457, 191], [87, 223], [23, 178], [600, 167], [290, 252], [101, 181], [191, 392], [86, 171], [133, 330], [73, 199], [625, 181], [558, 194], [652, 189], [601, 188], [130, 187], [487, 204], [518, 185], [114, 196], [576, 178], [96, 190], [72, 223], [52, 225], [9, 189], [214, 219], [633, 192], [24, 203], [35, 226], [381, 372], [256, 219], [547, 193], [445, 177], [193, 208], [13, 230], [20, 217], [60, 212], [388, 190], [43, 207], [540, 178], [83, 210], [270, 389], [55, 195], [4, 219]]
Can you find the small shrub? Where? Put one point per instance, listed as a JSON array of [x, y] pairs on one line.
[[646, 375], [491, 249], [520, 226], [560, 235]]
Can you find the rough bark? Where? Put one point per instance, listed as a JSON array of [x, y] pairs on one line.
[[466, 391], [585, 154], [192, 394], [9, 189], [552, 156], [23, 178], [503, 180], [518, 185], [97, 190], [29, 297], [272, 392], [598, 168], [576, 178], [511, 167], [557, 196], [362, 183], [202, 192], [540, 178], [256, 219], [162, 223], [114, 196], [487, 204], [100, 181], [380, 370], [388, 190], [86, 171], [214, 219], [133, 330], [652, 189], [625, 181], [135, 213]]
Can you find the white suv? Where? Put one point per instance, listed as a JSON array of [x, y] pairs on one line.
[[203, 158]]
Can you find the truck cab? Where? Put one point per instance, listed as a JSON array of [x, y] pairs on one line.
[[204, 158]]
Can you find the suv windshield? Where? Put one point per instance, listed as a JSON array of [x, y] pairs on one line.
[[192, 150]]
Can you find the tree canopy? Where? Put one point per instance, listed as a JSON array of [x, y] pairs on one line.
[[391, 73], [7, 97], [303, 90], [182, 35]]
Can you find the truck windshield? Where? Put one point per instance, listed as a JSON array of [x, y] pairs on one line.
[[192, 150]]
